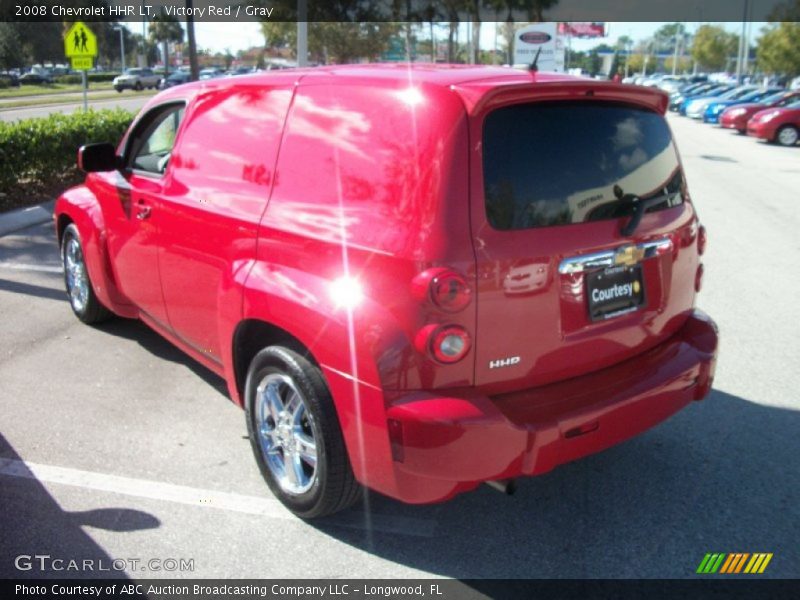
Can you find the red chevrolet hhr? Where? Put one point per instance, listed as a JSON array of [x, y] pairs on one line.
[[416, 279]]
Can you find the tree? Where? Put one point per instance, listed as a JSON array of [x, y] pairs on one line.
[[713, 46], [779, 49], [684, 64], [11, 54], [166, 29], [636, 62], [278, 34], [340, 42], [788, 11]]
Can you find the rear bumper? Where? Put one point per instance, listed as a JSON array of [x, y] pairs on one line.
[[466, 438]]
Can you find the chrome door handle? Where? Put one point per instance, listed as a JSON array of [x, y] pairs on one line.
[[143, 212]]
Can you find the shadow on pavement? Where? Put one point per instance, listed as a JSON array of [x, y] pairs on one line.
[[40, 291], [721, 476], [148, 339], [34, 524]]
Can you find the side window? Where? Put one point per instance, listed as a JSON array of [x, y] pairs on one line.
[[151, 145]]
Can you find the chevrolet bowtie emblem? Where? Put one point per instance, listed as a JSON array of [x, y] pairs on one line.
[[628, 256]]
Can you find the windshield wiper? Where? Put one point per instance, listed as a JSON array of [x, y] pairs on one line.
[[640, 207]]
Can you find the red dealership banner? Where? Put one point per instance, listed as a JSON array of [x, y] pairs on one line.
[[583, 30]]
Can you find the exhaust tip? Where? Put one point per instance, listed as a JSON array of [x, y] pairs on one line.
[[506, 486]]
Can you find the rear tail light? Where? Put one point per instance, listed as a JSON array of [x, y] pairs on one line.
[[450, 291], [447, 344], [445, 288], [701, 240]]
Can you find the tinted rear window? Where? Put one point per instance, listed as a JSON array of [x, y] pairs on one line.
[[548, 164]]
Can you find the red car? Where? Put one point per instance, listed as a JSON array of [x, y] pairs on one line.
[[337, 243], [781, 125], [736, 117]]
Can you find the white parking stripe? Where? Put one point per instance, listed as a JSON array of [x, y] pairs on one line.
[[155, 490], [27, 267]]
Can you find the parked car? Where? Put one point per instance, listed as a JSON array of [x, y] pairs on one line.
[[211, 73], [175, 78], [694, 107], [239, 71], [781, 125], [34, 79], [696, 90], [736, 117], [136, 79], [714, 108], [342, 244]]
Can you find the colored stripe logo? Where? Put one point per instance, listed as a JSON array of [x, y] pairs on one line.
[[734, 562]]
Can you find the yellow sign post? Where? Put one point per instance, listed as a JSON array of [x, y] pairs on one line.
[[80, 46]]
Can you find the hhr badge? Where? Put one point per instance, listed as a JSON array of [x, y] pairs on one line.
[[504, 362]]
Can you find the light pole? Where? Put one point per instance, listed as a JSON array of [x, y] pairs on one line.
[[121, 45], [302, 33]]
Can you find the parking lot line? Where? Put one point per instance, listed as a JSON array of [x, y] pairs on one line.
[[28, 267], [156, 490]]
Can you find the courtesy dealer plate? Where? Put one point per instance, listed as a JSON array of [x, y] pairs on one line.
[[614, 291]]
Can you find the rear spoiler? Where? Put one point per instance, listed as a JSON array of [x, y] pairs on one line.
[[484, 95]]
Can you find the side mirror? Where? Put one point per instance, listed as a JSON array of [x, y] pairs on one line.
[[97, 157]]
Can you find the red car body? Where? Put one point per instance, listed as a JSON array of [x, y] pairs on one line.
[[320, 205], [773, 124], [736, 117]]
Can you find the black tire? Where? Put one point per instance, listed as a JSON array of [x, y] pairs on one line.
[[138, 86], [119, 90], [333, 486], [88, 309], [741, 131]]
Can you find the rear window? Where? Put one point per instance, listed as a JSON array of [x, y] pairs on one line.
[[547, 164]]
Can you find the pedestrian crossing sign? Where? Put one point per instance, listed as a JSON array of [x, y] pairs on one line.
[[80, 41]]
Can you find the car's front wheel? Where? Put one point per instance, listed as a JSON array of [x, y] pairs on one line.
[[295, 434], [81, 295], [787, 135], [138, 87]]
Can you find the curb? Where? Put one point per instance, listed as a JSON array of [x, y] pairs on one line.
[[21, 218]]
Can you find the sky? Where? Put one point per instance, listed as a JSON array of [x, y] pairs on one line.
[[218, 36]]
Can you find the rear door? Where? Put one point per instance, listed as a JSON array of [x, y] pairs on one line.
[[563, 289]]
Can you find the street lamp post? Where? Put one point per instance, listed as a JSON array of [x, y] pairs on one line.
[[121, 46]]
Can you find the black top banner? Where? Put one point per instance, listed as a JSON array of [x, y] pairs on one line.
[[400, 10]]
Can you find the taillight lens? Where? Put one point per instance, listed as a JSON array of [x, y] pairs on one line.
[[701, 240], [447, 289], [450, 291], [449, 344]]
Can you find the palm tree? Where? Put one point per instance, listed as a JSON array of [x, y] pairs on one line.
[[165, 30]]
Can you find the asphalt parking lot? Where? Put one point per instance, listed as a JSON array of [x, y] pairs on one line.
[[114, 445]]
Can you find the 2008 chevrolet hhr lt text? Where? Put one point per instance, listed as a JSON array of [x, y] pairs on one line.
[[415, 279]]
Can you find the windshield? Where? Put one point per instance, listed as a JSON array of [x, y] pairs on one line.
[[133, 71], [548, 164], [753, 96]]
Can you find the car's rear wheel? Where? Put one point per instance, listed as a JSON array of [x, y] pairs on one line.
[[81, 295], [787, 135], [295, 434], [119, 89]]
